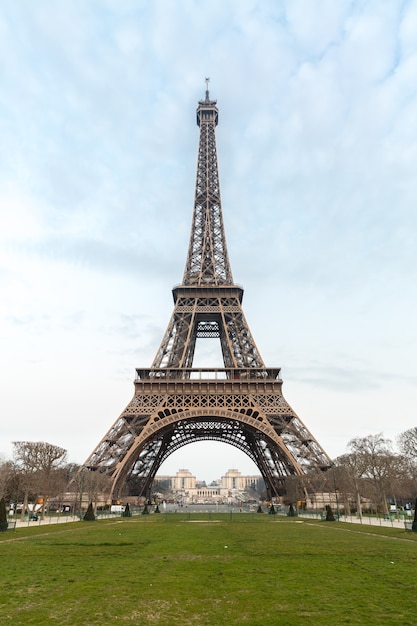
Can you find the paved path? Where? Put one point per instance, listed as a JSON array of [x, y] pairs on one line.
[[47, 521], [368, 521], [372, 521]]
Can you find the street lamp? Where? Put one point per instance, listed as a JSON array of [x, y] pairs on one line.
[[81, 487], [336, 490], [337, 502]]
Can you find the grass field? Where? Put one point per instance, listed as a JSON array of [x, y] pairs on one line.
[[254, 569]]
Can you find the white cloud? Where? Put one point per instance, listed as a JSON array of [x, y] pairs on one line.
[[316, 24]]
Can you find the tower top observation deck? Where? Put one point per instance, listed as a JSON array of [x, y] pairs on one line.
[[207, 110]]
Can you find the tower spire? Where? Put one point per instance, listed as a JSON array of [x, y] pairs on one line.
[[207, 303], [207, 259]]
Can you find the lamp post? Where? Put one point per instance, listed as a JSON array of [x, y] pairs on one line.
[[81, 486], [337, 502], [336, 490]]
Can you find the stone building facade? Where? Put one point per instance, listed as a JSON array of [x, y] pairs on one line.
[[232, 487]]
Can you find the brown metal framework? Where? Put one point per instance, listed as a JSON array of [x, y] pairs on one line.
[[175, 404]]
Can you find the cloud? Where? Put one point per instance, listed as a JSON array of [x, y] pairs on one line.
[[352, 379]]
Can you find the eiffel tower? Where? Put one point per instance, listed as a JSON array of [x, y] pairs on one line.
[[175, 404]]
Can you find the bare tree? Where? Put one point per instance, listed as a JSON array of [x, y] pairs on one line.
[[75, 484], [25, 470], [401, 479], [295, 489], [352, 469], [87, 485], [6, 470], [51, 459], [37, 460], [407, 443], [375, 452], [96, 484]]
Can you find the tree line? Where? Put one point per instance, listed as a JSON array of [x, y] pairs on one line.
[[370, 474], [372, 471], [370, 477], [39, 476]]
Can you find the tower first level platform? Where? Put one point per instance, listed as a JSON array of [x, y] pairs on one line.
[[173, 407]]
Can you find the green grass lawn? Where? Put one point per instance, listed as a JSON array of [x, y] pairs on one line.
[[254, 569]]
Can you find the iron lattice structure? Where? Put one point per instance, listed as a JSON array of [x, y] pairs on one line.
[[175, 404]]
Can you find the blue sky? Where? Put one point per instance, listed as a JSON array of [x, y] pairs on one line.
[[317, 146]]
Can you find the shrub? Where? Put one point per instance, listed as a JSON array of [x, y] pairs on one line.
[[145, 510], [89, 516], [127, 512], [329, 514], [414, 524], [3, 516], [291, 512], [259, 509], [272, 510], [157, 509]]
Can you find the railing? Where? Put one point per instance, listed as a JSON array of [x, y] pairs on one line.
[[204, 373]]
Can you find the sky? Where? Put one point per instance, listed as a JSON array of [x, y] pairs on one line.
[[317, 148]]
